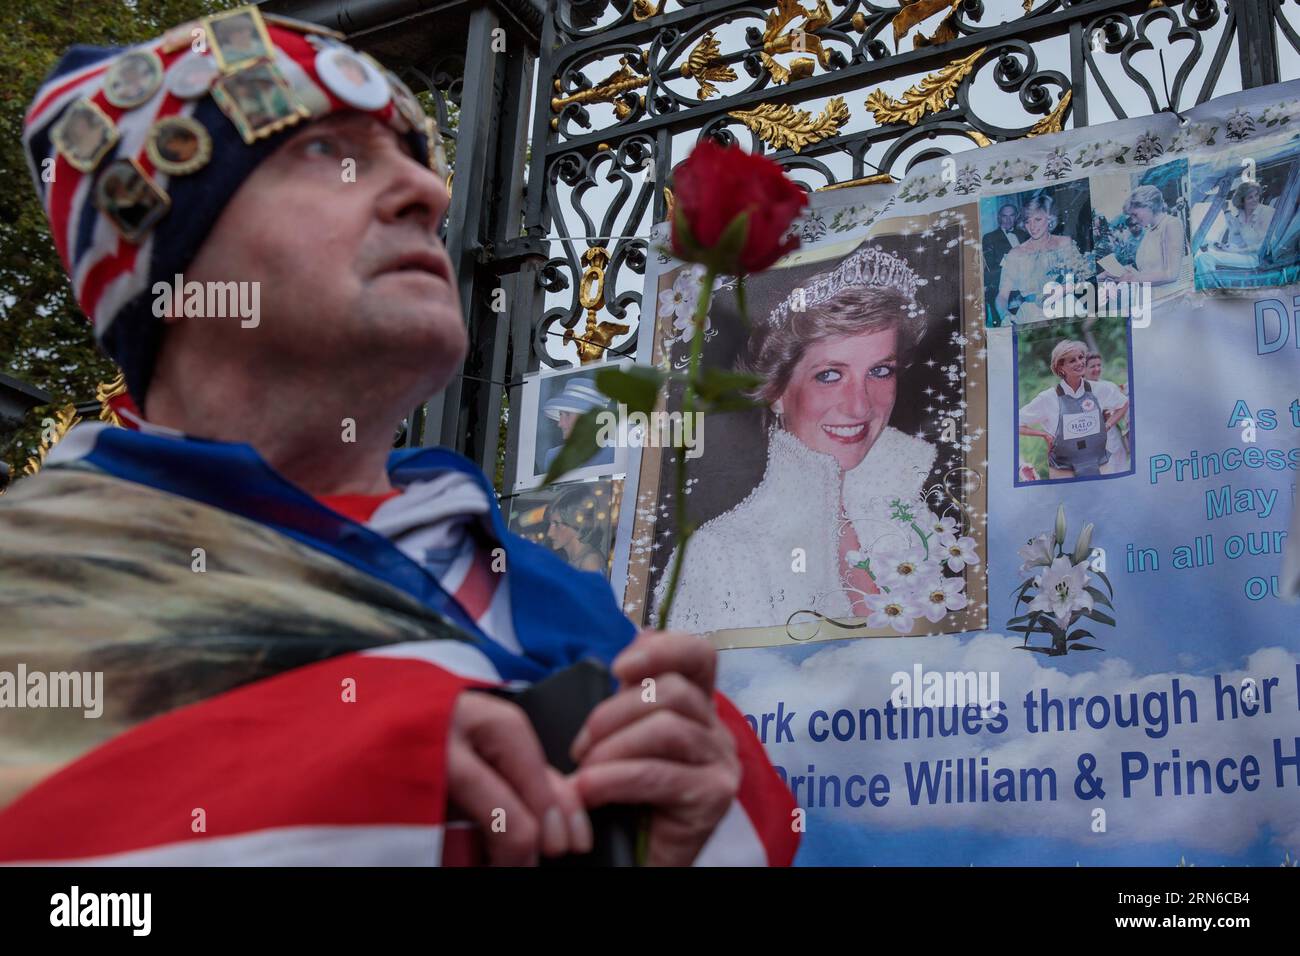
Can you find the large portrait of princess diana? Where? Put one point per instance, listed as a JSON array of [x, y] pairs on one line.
[[851, 503]]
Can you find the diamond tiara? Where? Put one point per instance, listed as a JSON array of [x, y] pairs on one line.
[[873, 268]]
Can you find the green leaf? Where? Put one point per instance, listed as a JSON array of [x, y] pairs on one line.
[[721, 390], [1099, 617], [1098, 596], [636, 387], [580, 447], [1106, 581], [734, 403], [741, 306], [1079, 632], [715, 382]]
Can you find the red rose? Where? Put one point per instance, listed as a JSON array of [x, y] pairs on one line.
[[713, 189]]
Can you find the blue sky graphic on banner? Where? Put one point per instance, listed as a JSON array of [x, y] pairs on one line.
[[1019, 600]]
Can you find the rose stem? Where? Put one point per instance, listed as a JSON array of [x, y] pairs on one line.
[[688, 409]]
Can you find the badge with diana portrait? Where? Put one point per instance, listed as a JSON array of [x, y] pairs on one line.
[[130, 199], [178, 145], [351, 78], [133, 79], [238, 37], [83, 135], [258, 101]]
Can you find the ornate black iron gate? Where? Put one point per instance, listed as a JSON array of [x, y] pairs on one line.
[[841, 92]]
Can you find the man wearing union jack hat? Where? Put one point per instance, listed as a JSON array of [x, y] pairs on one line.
[[291, 622]]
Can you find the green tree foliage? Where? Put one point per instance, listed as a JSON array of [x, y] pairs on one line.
[[44, 337]]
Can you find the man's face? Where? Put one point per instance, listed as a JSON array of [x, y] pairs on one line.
[[1094, 369], [351, 272], [1006, 218]]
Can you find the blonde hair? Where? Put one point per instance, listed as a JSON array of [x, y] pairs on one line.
[[1148, 196], [1044, 203], [774, 350], [1064, 348]]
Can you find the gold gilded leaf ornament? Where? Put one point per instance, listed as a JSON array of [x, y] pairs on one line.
[[776, 21], [702, 66], [928, 96], [1054, 121], [63, 419], [784, 127], [801, 40], [916, 12], [608, 90], [944, 33], [779, 73], [105, 391]]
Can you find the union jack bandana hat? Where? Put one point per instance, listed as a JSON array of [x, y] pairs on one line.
[[135, 151]]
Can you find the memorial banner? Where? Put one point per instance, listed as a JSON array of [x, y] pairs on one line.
[[997, 571]]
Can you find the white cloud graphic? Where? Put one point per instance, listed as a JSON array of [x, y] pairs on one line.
[[856, 674]]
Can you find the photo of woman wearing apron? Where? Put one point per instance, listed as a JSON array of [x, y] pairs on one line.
[[1073, 416]]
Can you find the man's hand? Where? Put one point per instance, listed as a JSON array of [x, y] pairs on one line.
[[667, 749], [498, 776]]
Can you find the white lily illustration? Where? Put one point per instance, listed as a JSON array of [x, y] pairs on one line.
[[1036, 553], [1062, 591]]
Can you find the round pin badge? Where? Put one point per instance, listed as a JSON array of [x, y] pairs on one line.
[[178, 145], [192, 76], [133, 79], [351, 78]]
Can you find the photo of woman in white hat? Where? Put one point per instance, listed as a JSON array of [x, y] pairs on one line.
[[579, 396]]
